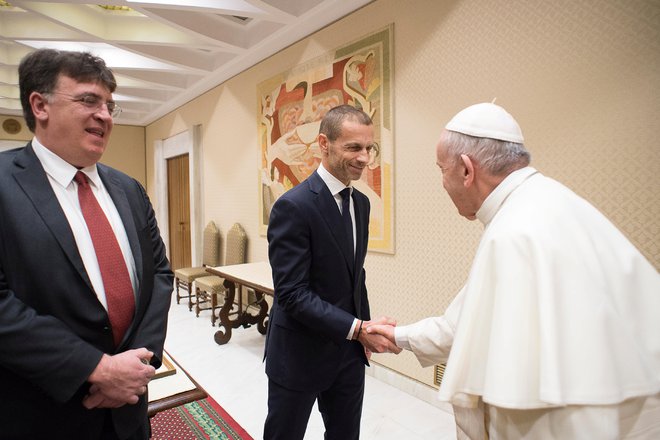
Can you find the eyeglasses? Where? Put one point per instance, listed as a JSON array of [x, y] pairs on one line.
[[94, 102]]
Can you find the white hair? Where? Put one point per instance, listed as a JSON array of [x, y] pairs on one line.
[[495, 156]]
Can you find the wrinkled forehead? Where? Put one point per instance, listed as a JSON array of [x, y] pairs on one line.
[[67, 83], [351, 127]]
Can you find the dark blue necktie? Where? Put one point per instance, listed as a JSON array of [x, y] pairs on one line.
[[346, 219]]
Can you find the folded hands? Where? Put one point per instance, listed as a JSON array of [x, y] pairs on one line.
[[119, 379]]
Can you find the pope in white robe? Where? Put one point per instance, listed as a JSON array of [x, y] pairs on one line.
[[556, 333]]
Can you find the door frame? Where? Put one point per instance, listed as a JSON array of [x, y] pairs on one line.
[[187, 142]]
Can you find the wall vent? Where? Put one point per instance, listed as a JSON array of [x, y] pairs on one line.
[[439, 371]]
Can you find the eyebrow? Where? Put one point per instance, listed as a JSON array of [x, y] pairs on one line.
[[96, 95], [357, 144]]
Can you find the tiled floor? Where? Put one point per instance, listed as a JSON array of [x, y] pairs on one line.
[[233, 374]]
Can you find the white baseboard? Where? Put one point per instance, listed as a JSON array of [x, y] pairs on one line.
[[408, 385]]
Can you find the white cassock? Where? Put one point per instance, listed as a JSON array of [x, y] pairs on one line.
[[556, 334]]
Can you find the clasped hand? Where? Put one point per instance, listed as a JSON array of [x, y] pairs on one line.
[[376, 342], [120, 379]]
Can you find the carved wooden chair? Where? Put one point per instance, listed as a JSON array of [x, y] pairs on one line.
[[184, 277], [209, 288]]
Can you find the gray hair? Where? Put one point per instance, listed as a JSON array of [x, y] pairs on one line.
[[497, 157]]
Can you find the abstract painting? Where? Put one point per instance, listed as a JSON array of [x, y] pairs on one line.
[[291, 106]]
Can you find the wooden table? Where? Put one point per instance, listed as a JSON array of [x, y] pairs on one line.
[[257, 276], [172, 390]]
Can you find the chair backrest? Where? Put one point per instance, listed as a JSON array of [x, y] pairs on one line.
[[236, 251], [211, 245]]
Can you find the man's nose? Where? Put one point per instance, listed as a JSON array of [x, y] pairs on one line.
[[104, 112], [363, 156]]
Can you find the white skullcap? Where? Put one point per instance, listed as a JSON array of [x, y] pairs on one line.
[[486, 120]]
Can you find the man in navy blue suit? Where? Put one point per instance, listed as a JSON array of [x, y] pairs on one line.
[[316, 347], [85, 285]]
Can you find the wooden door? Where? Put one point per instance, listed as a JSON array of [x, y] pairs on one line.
[[178, 198]]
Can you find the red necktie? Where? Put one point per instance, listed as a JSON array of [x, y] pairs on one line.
[[116, 281]]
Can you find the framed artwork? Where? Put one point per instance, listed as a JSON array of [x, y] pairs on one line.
[[166, 367], [291, 106]]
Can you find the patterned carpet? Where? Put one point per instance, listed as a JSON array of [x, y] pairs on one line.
[[203, 419]]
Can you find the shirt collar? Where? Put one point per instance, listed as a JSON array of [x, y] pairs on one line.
[[334, 185], [60, 170], [496, 198]]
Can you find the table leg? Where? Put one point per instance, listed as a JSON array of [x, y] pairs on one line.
[[245, 318], [222, 337], [262, 317]]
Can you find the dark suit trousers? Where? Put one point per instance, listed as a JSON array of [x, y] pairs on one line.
[[340, 405], [109, 433]]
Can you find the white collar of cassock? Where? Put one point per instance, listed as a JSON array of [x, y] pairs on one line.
[[492, 204]]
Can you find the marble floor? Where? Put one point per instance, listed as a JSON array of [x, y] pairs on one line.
[[233, 374]]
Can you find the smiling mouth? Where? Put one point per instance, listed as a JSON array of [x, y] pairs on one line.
[[95, 131]]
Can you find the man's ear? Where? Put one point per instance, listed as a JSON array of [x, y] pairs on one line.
[[323, 143], [468, 170], [39, 105]]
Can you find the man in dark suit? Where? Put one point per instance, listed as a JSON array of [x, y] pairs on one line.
[[316, 347], [81, 330]]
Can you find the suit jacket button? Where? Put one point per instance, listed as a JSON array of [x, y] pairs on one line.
[[106, 328]]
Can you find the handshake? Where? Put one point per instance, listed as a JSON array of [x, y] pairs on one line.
[[377, 336]]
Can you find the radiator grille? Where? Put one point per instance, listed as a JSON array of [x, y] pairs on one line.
[[439, 372]]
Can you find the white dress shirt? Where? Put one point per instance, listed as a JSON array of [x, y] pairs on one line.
[[60, 175]]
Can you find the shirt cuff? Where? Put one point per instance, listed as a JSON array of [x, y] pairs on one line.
[[349, 336], [401, 337]]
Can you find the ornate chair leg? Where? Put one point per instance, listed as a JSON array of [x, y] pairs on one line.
[[198, 296], [177, 291], [214, 304], [190, 295]]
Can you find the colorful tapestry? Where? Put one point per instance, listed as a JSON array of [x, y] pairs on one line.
[[203, 419], [291, 106]]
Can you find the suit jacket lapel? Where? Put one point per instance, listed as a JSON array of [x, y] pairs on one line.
[[331, 215], [38, 190], [360, 232]]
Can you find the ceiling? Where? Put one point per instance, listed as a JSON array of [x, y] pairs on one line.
[[163, 53]]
